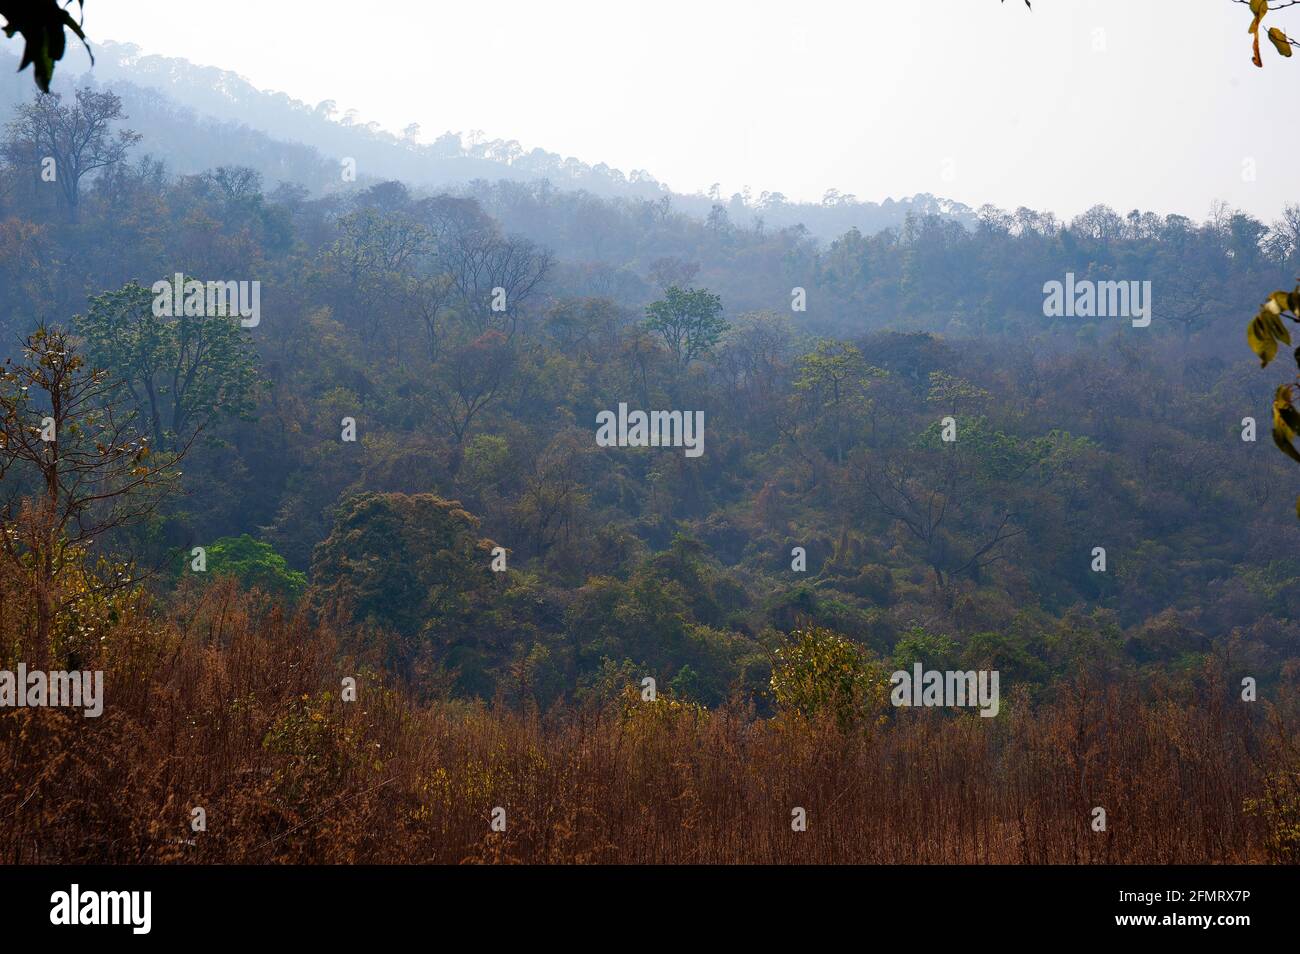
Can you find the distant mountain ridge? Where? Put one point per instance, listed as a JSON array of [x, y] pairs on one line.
[[289, 140]]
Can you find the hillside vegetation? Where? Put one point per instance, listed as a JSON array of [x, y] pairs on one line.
[[391, 479]]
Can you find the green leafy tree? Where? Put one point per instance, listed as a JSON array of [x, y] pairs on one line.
[[832, 377], [932, 650], [953, 394], [182, 372], [819, 672], [412, 564], [254, 564], [690, 322]]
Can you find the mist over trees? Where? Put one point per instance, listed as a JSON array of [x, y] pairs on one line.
[[825, 371], [285, 139]]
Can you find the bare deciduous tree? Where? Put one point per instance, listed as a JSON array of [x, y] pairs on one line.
[[79, 138], [72, 465]]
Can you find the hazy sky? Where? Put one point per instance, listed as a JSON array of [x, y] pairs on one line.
[[1136, 103]]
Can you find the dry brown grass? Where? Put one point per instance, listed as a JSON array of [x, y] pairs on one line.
[[238, 710]]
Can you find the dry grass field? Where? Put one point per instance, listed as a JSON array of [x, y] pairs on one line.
[[238, 711]]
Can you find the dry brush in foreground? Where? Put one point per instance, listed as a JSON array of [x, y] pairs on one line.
[[237, 710]]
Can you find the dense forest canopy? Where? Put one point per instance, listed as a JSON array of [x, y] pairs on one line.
[[422, 386]]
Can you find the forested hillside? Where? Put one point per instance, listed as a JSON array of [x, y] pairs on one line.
[[898, 445], [187, 107], [822, 427]]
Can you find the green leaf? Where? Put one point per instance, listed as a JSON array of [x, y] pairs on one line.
[[41, 22], [1275, 327], [1286, 422], [1261, 341], [1286, 446], [1291, 419]]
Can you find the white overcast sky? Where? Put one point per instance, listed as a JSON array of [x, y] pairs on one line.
[[971, 99]]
